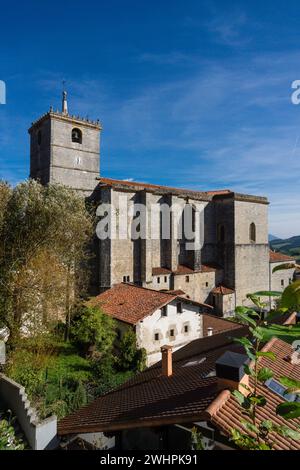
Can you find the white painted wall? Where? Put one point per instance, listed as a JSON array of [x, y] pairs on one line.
[[156, 323]]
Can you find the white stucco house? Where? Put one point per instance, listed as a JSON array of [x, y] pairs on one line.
[[157, 317]]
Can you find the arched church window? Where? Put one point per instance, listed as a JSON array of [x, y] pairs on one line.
[[252, 232], [39, 137], [77, 135], [221, 233]]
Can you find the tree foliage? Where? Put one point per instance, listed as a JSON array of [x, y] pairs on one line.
[[93, 330], [261, 434], [44, 234], [131, 357]]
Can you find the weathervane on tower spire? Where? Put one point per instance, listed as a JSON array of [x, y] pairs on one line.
[[64, 99]]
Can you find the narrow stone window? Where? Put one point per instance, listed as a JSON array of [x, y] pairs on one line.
[[282, 282], [179, 307], [128, 278], [172, 334], [206, 284], [164, 311], [124, 278], [156, 336], [158, 280], [221, 233], [252, 233], [77, 135], [166, 279], [186, 328], [187, 278]]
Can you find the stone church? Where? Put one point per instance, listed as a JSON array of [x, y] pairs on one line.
[[233, 259]]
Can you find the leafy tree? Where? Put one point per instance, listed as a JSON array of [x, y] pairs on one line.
[[260, 435], [130, 356], [44, 235], [93, 330]]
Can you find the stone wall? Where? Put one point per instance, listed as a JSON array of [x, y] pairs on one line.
[[251, 258], [39, 434]]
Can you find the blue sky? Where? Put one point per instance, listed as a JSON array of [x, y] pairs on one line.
[[190, 93]]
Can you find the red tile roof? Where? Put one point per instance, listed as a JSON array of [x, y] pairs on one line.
[[151, 399], [218, 325], [222, 290], [226, 414], [160, 271], [134, 185], [130, 303], [276, 257], [181, 269]]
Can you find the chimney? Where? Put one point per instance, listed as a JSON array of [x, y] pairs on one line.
[[230, 372], [210, 331], [166, 360]]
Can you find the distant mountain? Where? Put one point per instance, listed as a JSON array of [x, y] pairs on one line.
[[288, 246], [272, 237]]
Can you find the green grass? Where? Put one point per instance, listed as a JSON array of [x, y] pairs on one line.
[[68, 364]]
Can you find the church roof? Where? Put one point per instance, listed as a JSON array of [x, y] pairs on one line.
[[124, 185], [138, 186]]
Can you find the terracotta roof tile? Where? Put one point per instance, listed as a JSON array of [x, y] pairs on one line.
[[218, 325], [276, 257], [160, 271], [135, 185], [151, 399], [130, 303], [222, 290]]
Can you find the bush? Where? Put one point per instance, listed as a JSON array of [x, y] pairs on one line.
[[131, 358], [8, 439], [92, 330]]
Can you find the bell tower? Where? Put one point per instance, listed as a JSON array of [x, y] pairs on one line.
[[65, 149]]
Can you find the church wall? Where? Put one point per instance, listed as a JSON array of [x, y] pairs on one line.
[[196, 287], [251, 258], [40, 154], [124, 252]]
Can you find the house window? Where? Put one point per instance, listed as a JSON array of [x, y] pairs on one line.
[[179, 307], [187, 278], [77, 135], [172, 334], [158, 280], [186, 328], [128, 279], [252, 233], [156, 336], [282, 282], [166, 279], [221, 233], [164, 311], [124, 278]]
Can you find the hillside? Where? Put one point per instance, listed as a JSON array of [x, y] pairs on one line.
[[288, 246]]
